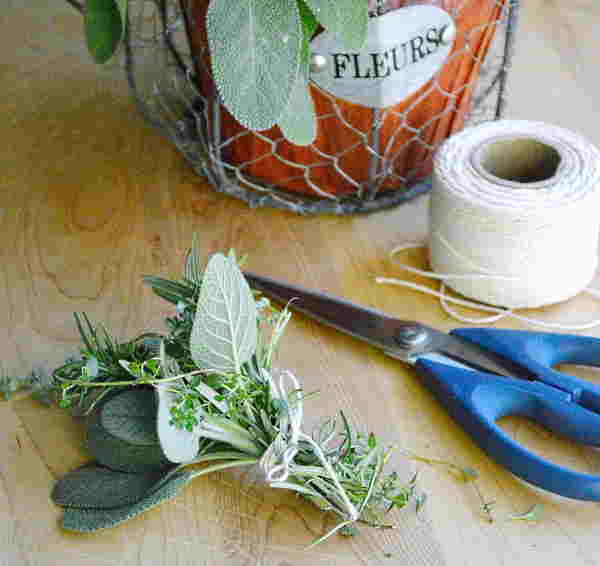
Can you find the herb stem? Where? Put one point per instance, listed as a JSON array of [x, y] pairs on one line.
[[224, 466]]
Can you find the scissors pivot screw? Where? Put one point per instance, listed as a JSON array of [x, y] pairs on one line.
[[411, 335]]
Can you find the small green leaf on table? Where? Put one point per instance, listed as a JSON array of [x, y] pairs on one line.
[[103, 28]]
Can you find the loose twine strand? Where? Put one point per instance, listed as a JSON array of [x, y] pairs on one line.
[[445, 299]]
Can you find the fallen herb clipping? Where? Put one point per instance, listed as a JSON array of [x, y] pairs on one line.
[[164, 409]]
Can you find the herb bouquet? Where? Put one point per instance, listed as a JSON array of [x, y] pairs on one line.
[[163, 410]]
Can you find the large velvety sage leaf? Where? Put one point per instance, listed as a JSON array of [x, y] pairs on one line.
[[89, 520], [224, 333], [117, 454], [347, 19], [97, 487], [131, 416], [255, 51], [103, 28]]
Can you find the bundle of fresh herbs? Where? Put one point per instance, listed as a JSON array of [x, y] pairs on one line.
[[205, 397]]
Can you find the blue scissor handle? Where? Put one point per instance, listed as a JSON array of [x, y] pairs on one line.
[[477, 400], [539, 352]]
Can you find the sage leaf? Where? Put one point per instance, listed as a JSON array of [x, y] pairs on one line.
[[224, 333], [193, 269], [255, 52], [118, 454], [299, 121], [347, 19], [131, 417], [90, 520], [179, 445], [97, 487], [103, 28]]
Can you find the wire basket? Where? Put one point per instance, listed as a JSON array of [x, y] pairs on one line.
[[377, 161]]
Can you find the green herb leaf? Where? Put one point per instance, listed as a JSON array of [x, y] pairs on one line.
[[309, 22], [97, 487], [534, 514], [347, 19], [179, 445], [131, 417], [255, 52], [193, 269], [224, 334], [299, 121], [103, 28], [114, 452], [89, 520]]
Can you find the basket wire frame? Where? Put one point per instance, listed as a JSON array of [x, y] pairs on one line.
[[161, 73]]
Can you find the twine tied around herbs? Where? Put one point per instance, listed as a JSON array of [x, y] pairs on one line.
[[277, 463]]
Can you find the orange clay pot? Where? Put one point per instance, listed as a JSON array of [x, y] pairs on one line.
[[412, 159]]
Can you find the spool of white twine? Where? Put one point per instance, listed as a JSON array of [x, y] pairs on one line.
[[516, 202], [514, 217]]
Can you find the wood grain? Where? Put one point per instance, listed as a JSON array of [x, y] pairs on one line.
[[91, 199]]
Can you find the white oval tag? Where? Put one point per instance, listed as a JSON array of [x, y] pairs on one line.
[[404, 49]]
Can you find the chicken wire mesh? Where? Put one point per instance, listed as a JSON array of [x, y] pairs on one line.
[[380, 162]]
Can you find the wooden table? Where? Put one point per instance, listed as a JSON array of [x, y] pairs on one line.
[[92, 199]]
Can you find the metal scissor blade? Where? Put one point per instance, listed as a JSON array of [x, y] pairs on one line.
[[365, 324], [478, 358], [379, 329]]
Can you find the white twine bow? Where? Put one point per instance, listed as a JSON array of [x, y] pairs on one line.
[[277, 461], [278, 457]]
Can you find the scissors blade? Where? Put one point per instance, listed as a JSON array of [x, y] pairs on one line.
[[379, 329], [363, 323]]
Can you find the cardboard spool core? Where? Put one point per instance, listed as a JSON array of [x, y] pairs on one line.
[[521, 162]]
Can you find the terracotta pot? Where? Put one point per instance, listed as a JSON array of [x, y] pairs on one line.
[[435, 114]]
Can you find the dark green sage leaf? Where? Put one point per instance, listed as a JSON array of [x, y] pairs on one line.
[[131, 417], [89, 520], [103, 28], [117, 454], [97, 487]]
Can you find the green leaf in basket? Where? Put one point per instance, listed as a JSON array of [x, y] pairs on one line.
[[347, 19], [131, 417], [255, 52], [309, 22], [299, 121], [97, 487], [103, 27], [89, 520], [224, 334]]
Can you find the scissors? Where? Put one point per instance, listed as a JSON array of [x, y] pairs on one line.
[[480, 375]]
